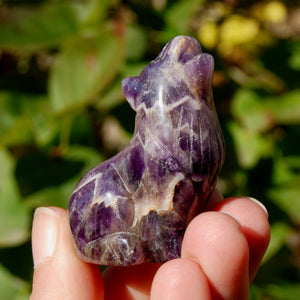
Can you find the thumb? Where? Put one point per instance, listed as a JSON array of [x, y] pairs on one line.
[[58, 272]]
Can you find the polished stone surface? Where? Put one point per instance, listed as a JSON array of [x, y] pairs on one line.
[[134, 207]]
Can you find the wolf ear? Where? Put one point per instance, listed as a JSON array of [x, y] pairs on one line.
[[131, 89]]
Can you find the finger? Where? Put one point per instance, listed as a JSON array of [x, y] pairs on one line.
[[58, 272], [131, 282], [216, 242], [254, 225], [180, 279]]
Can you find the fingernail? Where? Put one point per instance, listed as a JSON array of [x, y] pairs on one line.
[[232, 216], [44, 234], [259, 204]]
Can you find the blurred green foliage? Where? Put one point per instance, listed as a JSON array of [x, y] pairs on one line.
[[62, 110]]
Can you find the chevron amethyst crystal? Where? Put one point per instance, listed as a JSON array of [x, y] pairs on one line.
[[134, 207]]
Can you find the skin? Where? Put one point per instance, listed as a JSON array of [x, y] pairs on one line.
[[221, 253]]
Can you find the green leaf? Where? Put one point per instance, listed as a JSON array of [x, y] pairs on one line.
[[84, 68], [12, 287], [249, 110], [111, 98], [19, 134], [286, 108], [286, 170], [94, 11], [259, 114], [180, 15], [88, 156], [114, 96], [52, 196], [14, 214], [134, 50], [284, 291], [34, 27], [14, 129], [287, 197], [59, 195], [25, 119], [36, 110], [250, 146], [294, 60], [285, 192], [279, 233]]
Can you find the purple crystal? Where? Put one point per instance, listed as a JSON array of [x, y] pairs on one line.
[[134, 207]]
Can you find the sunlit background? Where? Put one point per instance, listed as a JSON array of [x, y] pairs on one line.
[[62, 110]]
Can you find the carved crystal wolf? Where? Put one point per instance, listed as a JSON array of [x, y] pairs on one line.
[[134, 207]]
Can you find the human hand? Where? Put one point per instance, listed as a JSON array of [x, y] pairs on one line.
[[221, 253]]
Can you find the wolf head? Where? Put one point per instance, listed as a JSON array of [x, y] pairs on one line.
[[180, 69]]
